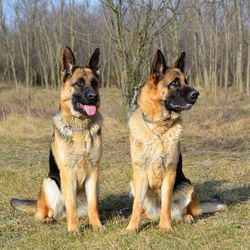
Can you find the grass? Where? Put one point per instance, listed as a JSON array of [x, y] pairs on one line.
[[216, 151]]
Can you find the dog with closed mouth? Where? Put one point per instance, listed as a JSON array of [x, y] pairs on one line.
[[71, 188], [159, 186]]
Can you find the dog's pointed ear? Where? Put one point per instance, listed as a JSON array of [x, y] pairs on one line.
[[180, 62], [158, 67], [94, 61], [68, 60]]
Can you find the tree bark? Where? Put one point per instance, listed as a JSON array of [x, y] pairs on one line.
[[239, 80]]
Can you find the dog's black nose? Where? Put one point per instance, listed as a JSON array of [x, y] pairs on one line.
[[91, 95], [194, 94]]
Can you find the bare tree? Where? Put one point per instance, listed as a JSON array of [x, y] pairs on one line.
[[133, 27], [239, 80], [8, 45], [248, 46], [215, 35], [226, 36], [72, 21]]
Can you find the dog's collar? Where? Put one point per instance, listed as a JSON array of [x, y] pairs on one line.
[[148, 123], [66, 131], [145, 118], [160, 121], [69, 128], [167, 121]]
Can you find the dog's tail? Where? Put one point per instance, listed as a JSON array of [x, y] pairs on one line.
[[24, 205], [212, 206]]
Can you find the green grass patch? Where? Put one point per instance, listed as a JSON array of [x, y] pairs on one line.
[[216, 152]]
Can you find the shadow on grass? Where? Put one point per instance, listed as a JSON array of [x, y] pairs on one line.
[[231, 196], [116, 205], [121, 205]]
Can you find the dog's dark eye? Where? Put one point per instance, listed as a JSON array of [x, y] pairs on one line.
[[175, 83], [80, 83]]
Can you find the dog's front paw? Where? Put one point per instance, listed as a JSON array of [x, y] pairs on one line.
[[98, 227], [73, 228], [48, 220], [132, 227], [166, 228]]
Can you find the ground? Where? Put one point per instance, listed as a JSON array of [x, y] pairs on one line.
[[216, 152]]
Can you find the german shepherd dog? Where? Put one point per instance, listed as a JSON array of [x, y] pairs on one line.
[[159, 187], [71, 186]]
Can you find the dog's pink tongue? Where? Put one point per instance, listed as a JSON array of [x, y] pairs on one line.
[[90, 109]]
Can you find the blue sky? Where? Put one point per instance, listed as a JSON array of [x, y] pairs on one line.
[[8, 7]]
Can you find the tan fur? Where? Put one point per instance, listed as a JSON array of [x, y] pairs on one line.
[[155, 150], [194, 208], [77, 149], [77, 153]]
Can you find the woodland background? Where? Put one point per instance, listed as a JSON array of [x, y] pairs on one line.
[[215, 141], [214, 34]]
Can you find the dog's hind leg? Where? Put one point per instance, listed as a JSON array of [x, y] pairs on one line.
[[82, 205], [50, 204], [186, 204], [41, 206], [183, 199], [194, 208], [152, 205]]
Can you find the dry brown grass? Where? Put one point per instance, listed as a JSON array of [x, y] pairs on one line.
[[216, 148]]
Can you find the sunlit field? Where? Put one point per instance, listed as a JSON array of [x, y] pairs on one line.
[[216, 152]]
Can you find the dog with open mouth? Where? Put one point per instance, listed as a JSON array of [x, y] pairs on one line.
[[71, 186], [159, 186]]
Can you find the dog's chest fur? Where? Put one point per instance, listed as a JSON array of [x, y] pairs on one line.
[[153, 148], [80, 150], [77, 147]]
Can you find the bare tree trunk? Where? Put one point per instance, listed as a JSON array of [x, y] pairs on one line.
[[24, 48], [198, 80], [248, 49], [72, 22], [9, 46], [59, 42], [89, 46], [226, 40], [202, 51], [239, 80], [109, 65], [28, 70], [215, 48]]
